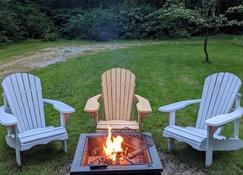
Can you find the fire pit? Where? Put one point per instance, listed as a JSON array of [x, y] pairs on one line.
[[124, 151]]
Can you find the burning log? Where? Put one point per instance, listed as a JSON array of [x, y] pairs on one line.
[[136, 153], [116, 150]]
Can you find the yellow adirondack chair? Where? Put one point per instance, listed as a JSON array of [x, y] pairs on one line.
[[118, 87]]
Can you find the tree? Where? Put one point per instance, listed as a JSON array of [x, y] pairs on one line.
[[211, 21], [207, 10]]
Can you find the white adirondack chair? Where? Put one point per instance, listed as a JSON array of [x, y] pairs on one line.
[[23, 114], [219, 105]]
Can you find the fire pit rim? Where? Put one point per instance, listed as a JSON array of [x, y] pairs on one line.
[[76, 168]]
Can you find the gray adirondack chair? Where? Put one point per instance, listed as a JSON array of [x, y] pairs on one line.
[[219, 105], [23, 114]]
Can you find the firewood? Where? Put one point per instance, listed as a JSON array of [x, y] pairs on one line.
[[136, 152]]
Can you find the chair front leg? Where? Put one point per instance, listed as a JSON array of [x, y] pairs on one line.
[[209, 146], [64, 118], [172, 118], [141, 116], [236, 128], [17, 149], [171, 122], [95, 117]]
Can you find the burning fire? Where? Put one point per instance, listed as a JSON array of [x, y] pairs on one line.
[[113, 145]]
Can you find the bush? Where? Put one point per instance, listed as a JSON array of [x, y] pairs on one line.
[[235, 13], [169, 22], [94, 24], [50, 36], [104, 26], [174, 21], [19, 21], [34, 24], [10, 30]]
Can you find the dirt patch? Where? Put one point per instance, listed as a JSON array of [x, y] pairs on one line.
[[47, 56]]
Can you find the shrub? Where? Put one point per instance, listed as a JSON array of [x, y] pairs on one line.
[[174, 21], [19, 21], [74, 28], [10, 30], [235, 13], [104, 26], [92, 24], [34, 24], [50, 36]]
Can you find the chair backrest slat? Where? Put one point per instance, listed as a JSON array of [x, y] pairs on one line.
[[118, 91], [218, 96], [24, 96]]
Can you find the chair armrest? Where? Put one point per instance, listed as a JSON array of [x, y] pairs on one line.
[[143, 105], [223, 119], [178, 105], [7, 119], [60, 106], [93, 105]]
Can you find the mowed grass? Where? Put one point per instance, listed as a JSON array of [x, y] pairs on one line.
[[165, 73]]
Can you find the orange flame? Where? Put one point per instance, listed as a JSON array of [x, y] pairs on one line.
[[112, 145]]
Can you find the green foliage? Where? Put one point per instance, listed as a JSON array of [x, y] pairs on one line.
[[50, 36], [19, 21], [76, 27], [212, 21], [133, 23], [174, 21], [105, 20], [104, 26], [10, 30], [92, 24], [33, 23], [235, 12]]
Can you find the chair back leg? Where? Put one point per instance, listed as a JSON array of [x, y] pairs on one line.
[[170, 144], [64, 145]]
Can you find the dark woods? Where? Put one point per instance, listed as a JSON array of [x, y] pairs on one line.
[[113, 19]]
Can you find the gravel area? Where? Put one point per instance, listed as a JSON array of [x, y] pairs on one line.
[[170, 164], [47, 56], [173, 167]]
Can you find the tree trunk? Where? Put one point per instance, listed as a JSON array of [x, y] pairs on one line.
[[205, 47], [218, 9]]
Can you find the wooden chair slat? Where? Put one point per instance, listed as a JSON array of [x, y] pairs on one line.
[[118, 95]]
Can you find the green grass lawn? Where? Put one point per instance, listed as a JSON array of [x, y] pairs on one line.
[[165, 73]]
